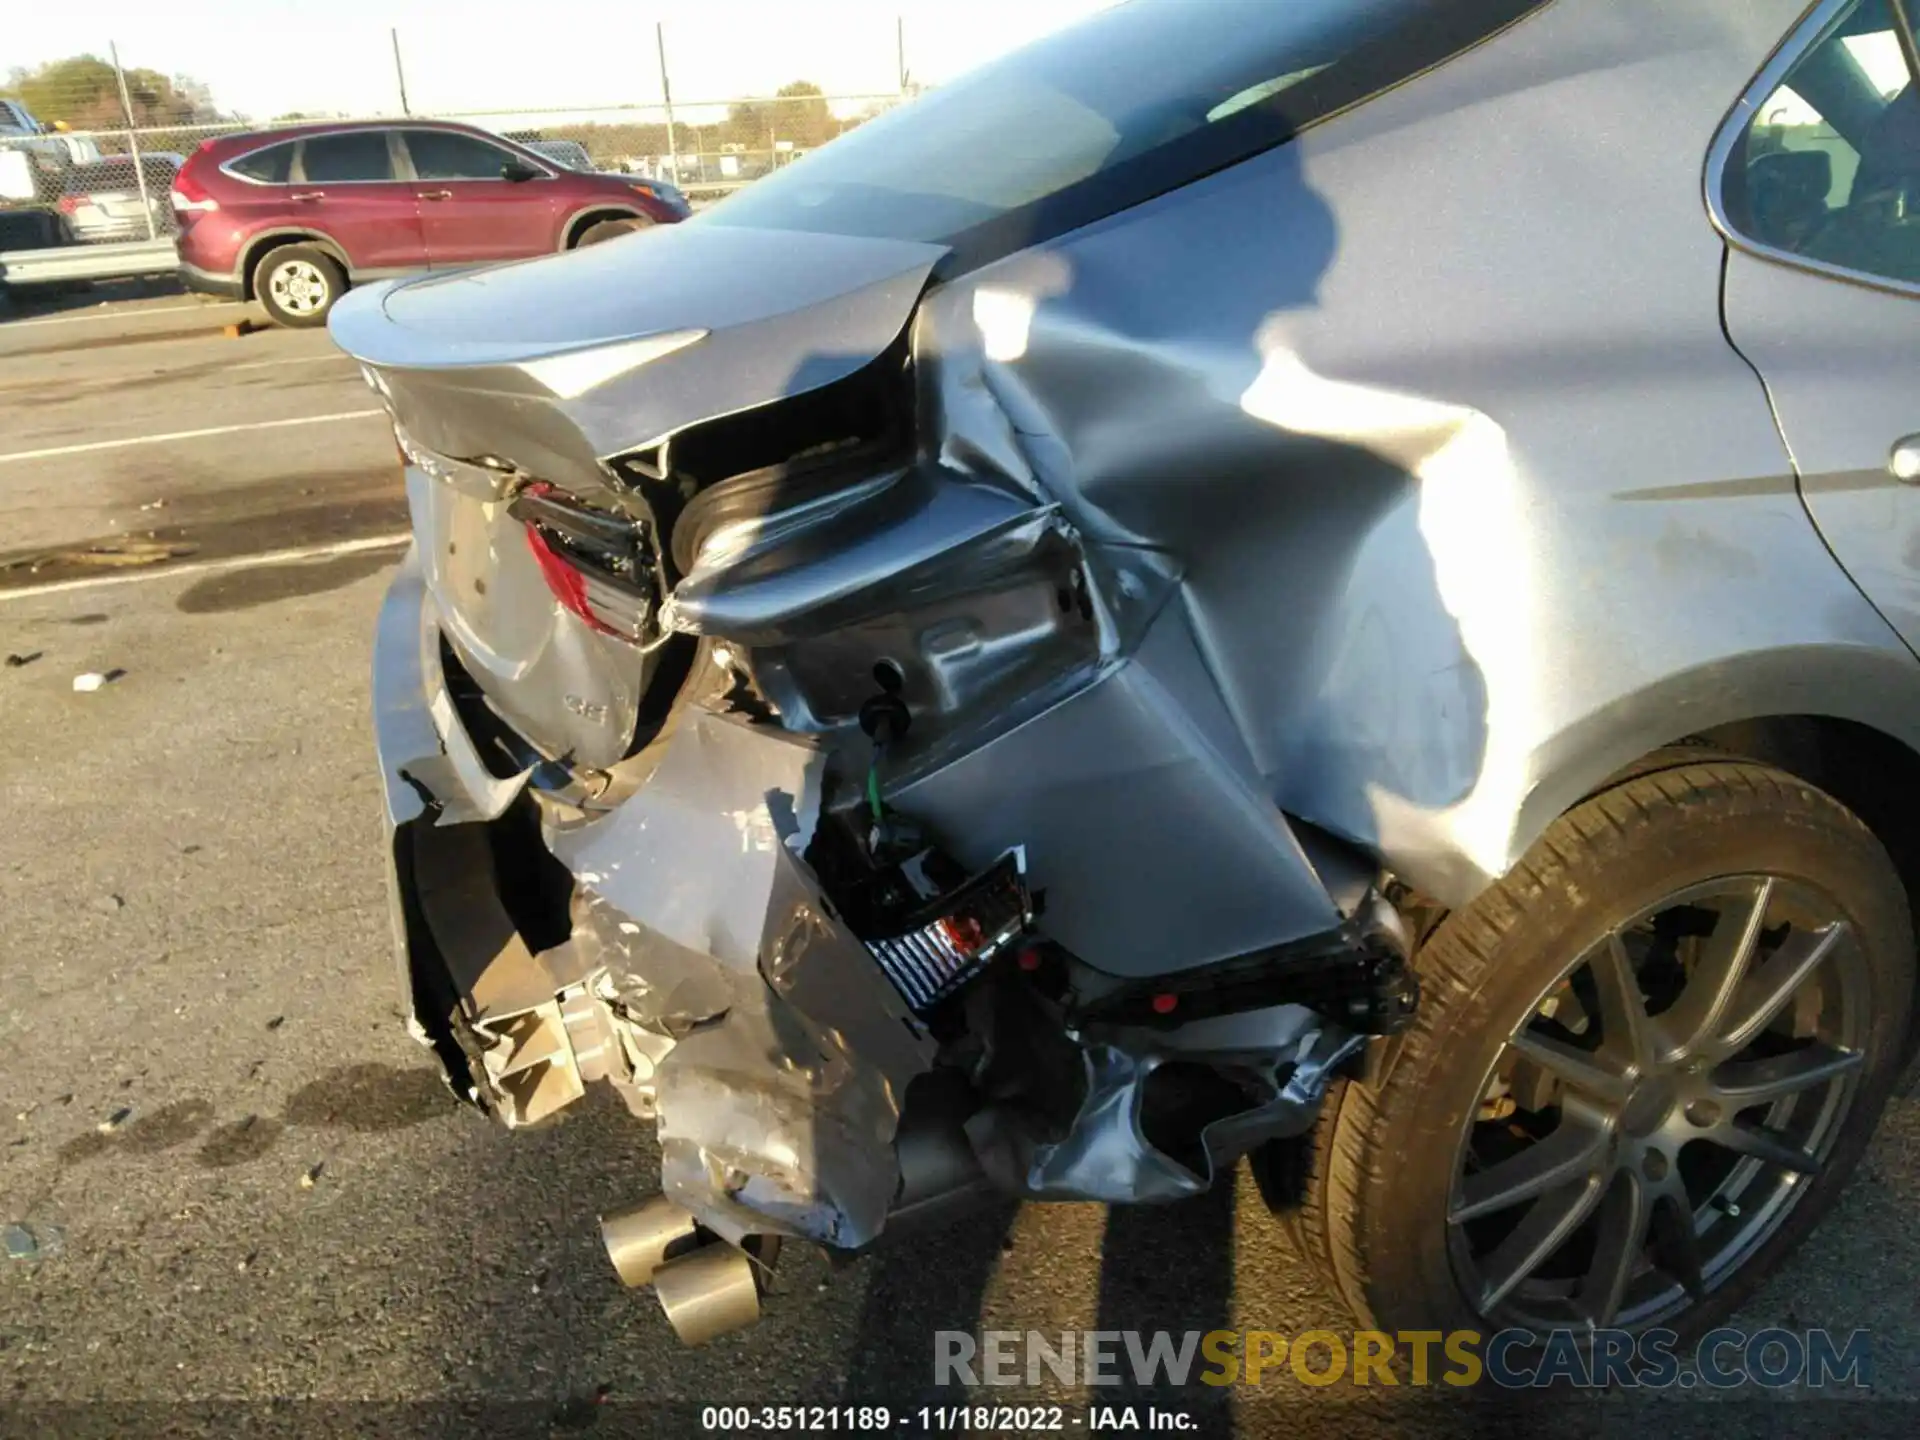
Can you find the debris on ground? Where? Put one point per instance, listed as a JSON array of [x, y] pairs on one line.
[[93, 679], [114, 1121], [23, 1241], [110, 552], [15, 661], [110, 904], [308, 1180], [276, 1022]]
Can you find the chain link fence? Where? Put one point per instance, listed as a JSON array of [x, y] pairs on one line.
[[91, 146]]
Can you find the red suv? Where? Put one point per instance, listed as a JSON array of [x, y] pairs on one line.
[[293, 217]]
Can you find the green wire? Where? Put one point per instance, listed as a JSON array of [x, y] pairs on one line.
[[873, 791]]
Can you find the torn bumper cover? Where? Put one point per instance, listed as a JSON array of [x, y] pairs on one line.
[[708, 979], [738, 1011]]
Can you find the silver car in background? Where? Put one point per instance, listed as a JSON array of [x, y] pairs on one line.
[[104, 200], [1332, 583]]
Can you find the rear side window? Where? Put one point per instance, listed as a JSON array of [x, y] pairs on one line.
[[1132, 102], [356, 155], [270, 166], [1829, 167], [449, 155]]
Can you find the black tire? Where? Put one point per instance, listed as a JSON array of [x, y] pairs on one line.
[[312, 282], [609, 230], [1376, 1187]]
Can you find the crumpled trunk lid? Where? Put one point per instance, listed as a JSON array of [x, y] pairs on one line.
[[566, 375]]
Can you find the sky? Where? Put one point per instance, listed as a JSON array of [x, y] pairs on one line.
[[267, 57]]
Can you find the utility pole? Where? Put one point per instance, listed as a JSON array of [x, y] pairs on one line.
[[666, 93], [133, 140], [400, 71], [900, 48]]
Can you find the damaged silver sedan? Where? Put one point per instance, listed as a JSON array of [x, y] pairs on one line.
[[1226, 586]]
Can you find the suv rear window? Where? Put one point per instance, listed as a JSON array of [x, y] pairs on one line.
[[1130, 103], [355, 155], [270, 166]]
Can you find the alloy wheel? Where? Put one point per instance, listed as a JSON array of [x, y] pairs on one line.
[[1655, 1115]]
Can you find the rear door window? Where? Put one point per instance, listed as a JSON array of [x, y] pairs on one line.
[[271, 166], [449, 155], [1829, 167], [354, 155]]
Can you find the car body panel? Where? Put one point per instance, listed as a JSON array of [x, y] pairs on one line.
[[468, 222], [1824, 346], [374, 224], [1466, 486], [1828, 342]]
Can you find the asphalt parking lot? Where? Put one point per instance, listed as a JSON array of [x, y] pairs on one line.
[[245, 1181]]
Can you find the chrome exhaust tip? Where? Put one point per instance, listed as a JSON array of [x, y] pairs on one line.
[[706, 1287], [710, 1293], [642, 1238]]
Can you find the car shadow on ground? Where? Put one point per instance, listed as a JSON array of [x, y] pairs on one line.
[[34, 301]]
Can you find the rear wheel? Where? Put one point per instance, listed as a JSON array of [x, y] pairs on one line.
[[1645, 1064], [297, 285], [609, 230]]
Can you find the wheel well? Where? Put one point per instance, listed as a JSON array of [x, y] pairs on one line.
[[1871, 773], [594, 217], [256, 256]]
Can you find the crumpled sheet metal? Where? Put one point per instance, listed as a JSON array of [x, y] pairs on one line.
[[1106, 1154], [779, 1100], [920, 537], [428, 759], [1143, 818], [690, 855], [470, 362]]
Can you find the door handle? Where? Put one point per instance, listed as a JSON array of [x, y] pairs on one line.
[[1905, 460], [309, 195], [436, 194]]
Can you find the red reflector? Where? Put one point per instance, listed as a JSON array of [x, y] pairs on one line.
[[569, 587], [1029, 960], [1164, 1004], [963, 933], [69, 204]]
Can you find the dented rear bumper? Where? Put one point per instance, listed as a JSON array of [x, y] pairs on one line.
[[776, 1086], [701, 971]]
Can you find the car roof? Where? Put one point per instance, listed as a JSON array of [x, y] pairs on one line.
[[227, 145]]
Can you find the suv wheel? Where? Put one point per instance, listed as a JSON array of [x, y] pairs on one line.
[[298, 284], [609, 230], [1644, 1065]]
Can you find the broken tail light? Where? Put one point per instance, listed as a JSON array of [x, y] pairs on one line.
[[953, 939], [598, 566]]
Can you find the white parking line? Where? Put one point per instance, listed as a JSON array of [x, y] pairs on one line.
[[90, 446], [291, 360], [202, 567], [120, 314]]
